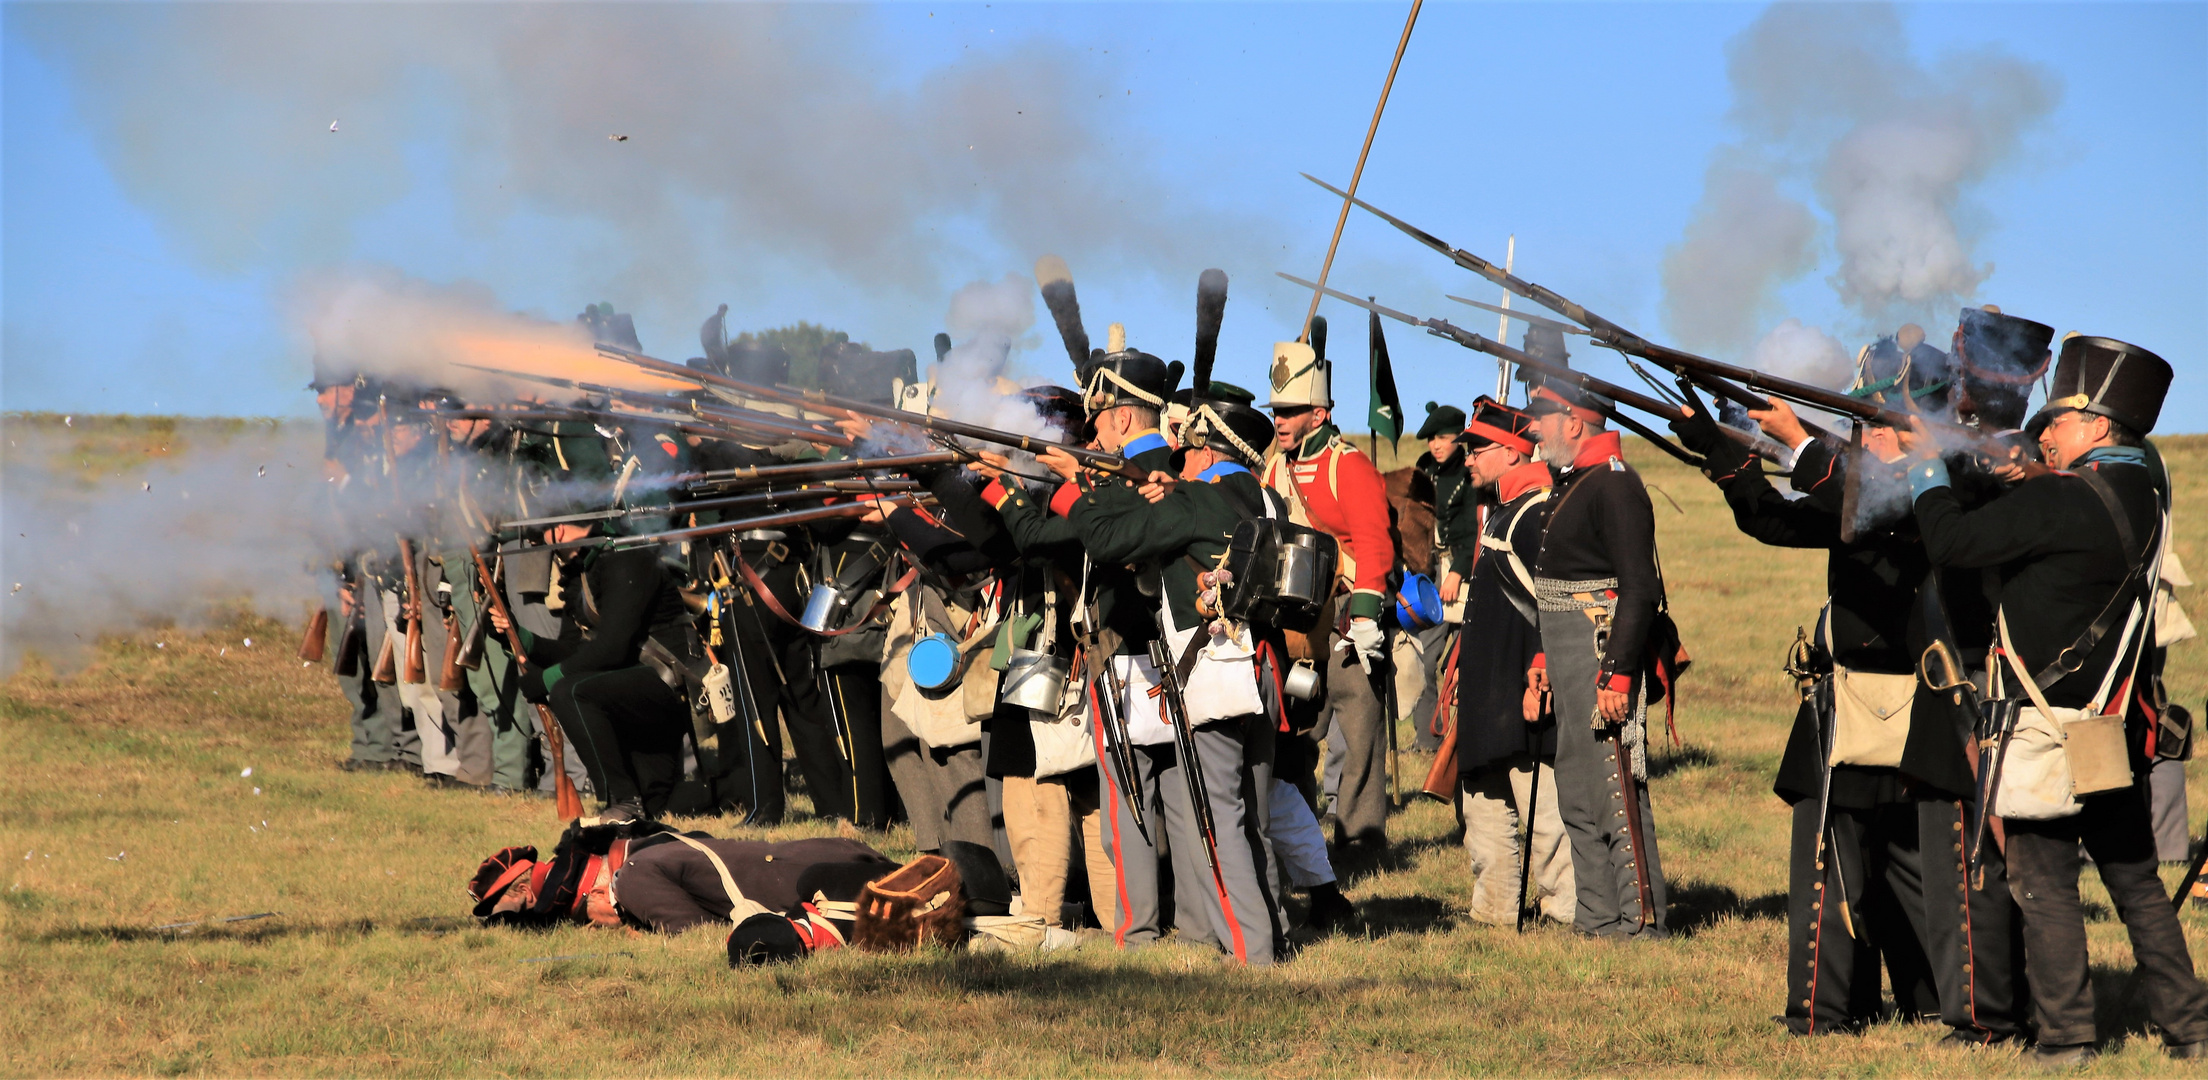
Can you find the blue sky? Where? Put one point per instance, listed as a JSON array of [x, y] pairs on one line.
[[161, 279]]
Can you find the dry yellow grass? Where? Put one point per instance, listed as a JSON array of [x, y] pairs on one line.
[[128, 810]]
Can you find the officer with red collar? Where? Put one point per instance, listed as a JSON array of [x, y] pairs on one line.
[[1333, 487], [1597, 589]]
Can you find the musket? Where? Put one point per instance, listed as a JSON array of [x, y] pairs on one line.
[[806, 470], [566, 803], [1611, 335], [1109, 696], [720, 385], [768, 521], [416, 665], [1175, 705], [740, 418], [1442, 328], [1094, 459], [826, 490], [1529, 320], [452, 676]]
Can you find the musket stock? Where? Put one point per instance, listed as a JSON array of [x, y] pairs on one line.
[[416, 668], [317, 636], [566, 802]]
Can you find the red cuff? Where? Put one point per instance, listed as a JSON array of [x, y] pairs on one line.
[[1062, 500], [1540, 661], [1619, 684], [995, 494]]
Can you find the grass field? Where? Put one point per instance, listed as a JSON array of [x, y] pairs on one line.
[[130, 809]]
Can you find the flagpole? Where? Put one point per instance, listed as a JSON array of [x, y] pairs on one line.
[[1359, 172]]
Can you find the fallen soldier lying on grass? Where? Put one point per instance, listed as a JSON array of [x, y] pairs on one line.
[[782, 899]]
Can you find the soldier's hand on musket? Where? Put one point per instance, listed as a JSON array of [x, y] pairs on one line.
[[1916, 439], [1060, 462], [858, 427], [877, 513], [498, 620], [1158, 486], [990, 464], [1612, 704], [1533, 705], [1780, 423]]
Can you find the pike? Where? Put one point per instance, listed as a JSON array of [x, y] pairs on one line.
[[1570, 376], [566, 803], [1094, 459], [829, 490], [766, 521]]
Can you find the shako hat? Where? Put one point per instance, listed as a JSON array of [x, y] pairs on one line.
[[1553, 396], [1233, 428], [1902, 372], [1124, 376], [1441, 420], [1301, 375], [1494, 423], [2107, 377], [1998, 359]]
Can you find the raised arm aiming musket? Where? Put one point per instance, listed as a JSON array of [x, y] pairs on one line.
[[1444, 329], [1719, 378], [832, 489]]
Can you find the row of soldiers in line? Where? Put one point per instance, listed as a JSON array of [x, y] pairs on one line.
[[1566, 647]]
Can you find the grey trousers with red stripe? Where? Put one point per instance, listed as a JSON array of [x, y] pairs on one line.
[[1247, 922]]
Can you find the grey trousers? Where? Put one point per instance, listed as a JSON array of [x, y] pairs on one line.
[[375, 718], [377, 712], [1591, 780], [945, 791], [1361, 794], [2173, 841], [1237, 772]]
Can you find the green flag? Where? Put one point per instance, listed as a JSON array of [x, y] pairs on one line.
[[1387, 408]]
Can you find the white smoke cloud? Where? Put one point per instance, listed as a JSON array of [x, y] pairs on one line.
[[1804, 353], [1829, 99], [990, 323], [217, 524], [1747, 237], [674, 151]]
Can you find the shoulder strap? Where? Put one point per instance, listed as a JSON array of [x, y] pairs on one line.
[[2071, 659], [740, 907]]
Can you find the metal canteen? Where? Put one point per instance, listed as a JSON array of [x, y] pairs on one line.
[[1035, 680], [821, 607], [720, 693], [1302, 682], [933, 662], [1298, 580]]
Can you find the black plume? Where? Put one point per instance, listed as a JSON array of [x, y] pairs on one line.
[[1318, 337], [1211, 310], [1056, 282], [942, 346], [1173, 372]]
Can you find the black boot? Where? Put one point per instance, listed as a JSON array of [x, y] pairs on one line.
[[1330, 910]]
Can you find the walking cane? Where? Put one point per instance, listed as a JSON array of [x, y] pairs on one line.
[[1525, 850]]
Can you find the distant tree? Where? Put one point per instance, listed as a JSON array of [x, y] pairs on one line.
[[804, 342]]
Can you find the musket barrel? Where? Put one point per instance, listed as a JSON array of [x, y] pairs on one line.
[[1095, 459]]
